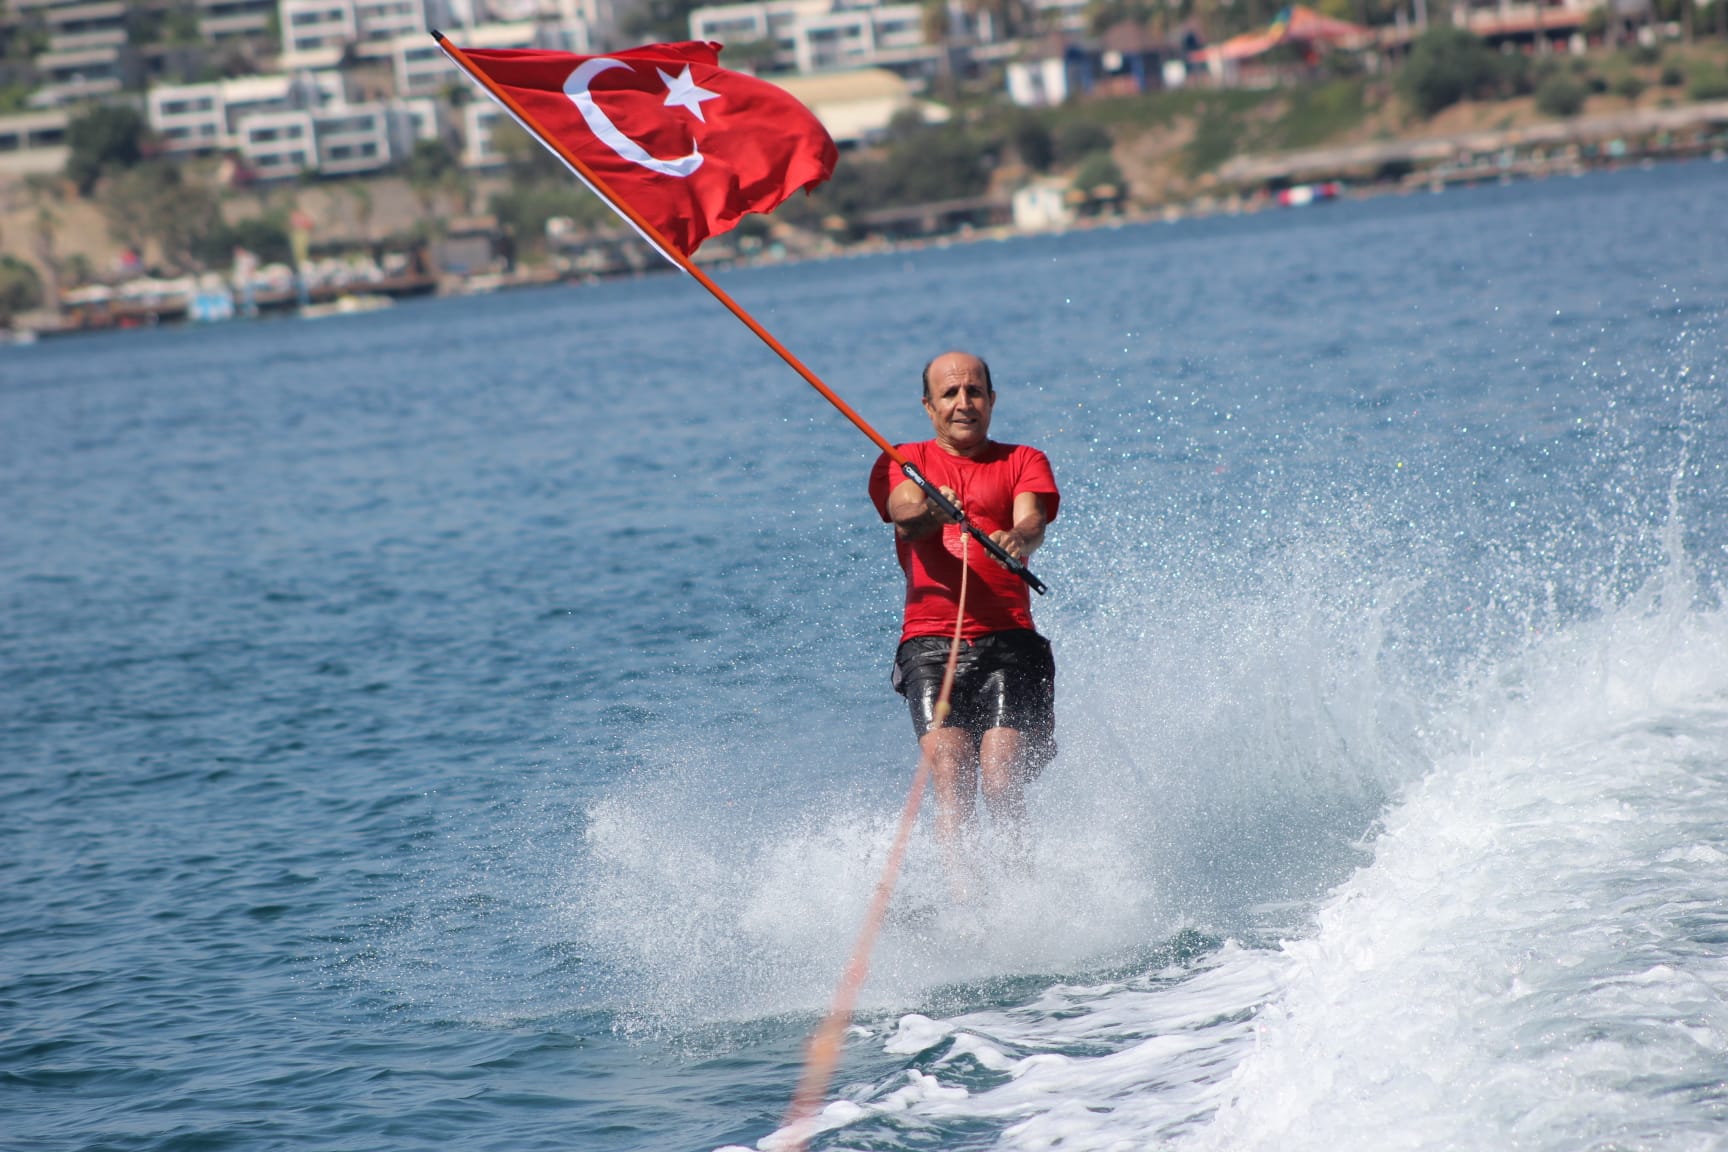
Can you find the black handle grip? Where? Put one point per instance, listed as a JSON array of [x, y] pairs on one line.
[[948, 506]]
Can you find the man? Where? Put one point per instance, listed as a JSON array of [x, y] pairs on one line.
[[1001, 731]]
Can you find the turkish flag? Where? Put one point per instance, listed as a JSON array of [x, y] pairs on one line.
[[689, 145]]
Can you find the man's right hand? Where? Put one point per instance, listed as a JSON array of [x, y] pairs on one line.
[[915, 515], [935, 509]]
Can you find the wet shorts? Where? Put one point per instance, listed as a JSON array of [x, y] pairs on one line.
[[1002, 680]]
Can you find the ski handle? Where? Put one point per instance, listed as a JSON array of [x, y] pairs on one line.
[[951, 510]]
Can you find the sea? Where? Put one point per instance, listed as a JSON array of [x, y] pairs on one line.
[[468, 725]]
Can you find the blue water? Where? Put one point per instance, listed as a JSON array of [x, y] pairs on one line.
[[468, 725]]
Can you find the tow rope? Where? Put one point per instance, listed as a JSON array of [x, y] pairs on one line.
[[823, 1053]]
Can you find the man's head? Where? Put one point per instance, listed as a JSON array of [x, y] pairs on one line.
[[958, 397]]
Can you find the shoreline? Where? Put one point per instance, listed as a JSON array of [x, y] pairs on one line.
[[191, 308]]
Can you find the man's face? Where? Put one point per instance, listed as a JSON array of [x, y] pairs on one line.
[[959, 400]]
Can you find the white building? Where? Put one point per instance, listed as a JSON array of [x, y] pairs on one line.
[[1041, 82], [33, 143], [335, 140], [279, 144], [192, 118], [380, 22], [220, 21], [420, 67], [479, 117], [80, 27], [285, 125], [85, 74], [315, 33], [857, 107], [823, 35], [1043, 207]]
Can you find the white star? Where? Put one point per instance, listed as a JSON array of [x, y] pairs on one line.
[[682, 92]]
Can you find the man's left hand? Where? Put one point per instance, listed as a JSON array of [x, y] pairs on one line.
[[1011, 543]]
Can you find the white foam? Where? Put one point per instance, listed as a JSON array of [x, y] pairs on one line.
[[1521, 958]]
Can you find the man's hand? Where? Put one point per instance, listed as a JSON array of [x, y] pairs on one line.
[[934, 509], [915, 515], [1023, 539], [1012, 543]]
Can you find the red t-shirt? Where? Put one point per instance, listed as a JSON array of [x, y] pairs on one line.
[[996, 599]]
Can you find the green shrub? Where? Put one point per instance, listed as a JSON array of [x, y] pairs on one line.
[[1672, 76], [266, 237], [1032, 141], [102, 139], [1097, 170], [1629, 86], [1560, 96], [1708, 84], [1078, 140]]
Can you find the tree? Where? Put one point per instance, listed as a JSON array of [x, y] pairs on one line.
[[934, 163], [1560, 95], [20, 288], [1031, 141], [1077, 140], [266, 237], [1447, 65], [45, 192], [659, 20], [1096, 171], [107, 138], [753, 55], [154, 202], [429, 167]]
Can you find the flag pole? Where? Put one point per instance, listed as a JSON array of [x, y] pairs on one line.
[[654, 237]]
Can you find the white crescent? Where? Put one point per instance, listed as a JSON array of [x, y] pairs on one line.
[[607, 132]]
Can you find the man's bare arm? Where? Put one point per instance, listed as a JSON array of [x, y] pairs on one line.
[[1027, 534]]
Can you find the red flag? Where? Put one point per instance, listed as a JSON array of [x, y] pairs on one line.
[[689, 145]]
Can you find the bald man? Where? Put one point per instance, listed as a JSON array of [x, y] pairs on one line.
[[1001, 731]]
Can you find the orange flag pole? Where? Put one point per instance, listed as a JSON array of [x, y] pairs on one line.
[[655, 238]]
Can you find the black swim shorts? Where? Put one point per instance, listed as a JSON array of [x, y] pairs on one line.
[[1002, 680]]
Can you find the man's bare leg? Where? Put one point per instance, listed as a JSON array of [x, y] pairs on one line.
[[954, 773], [1002, 765]]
